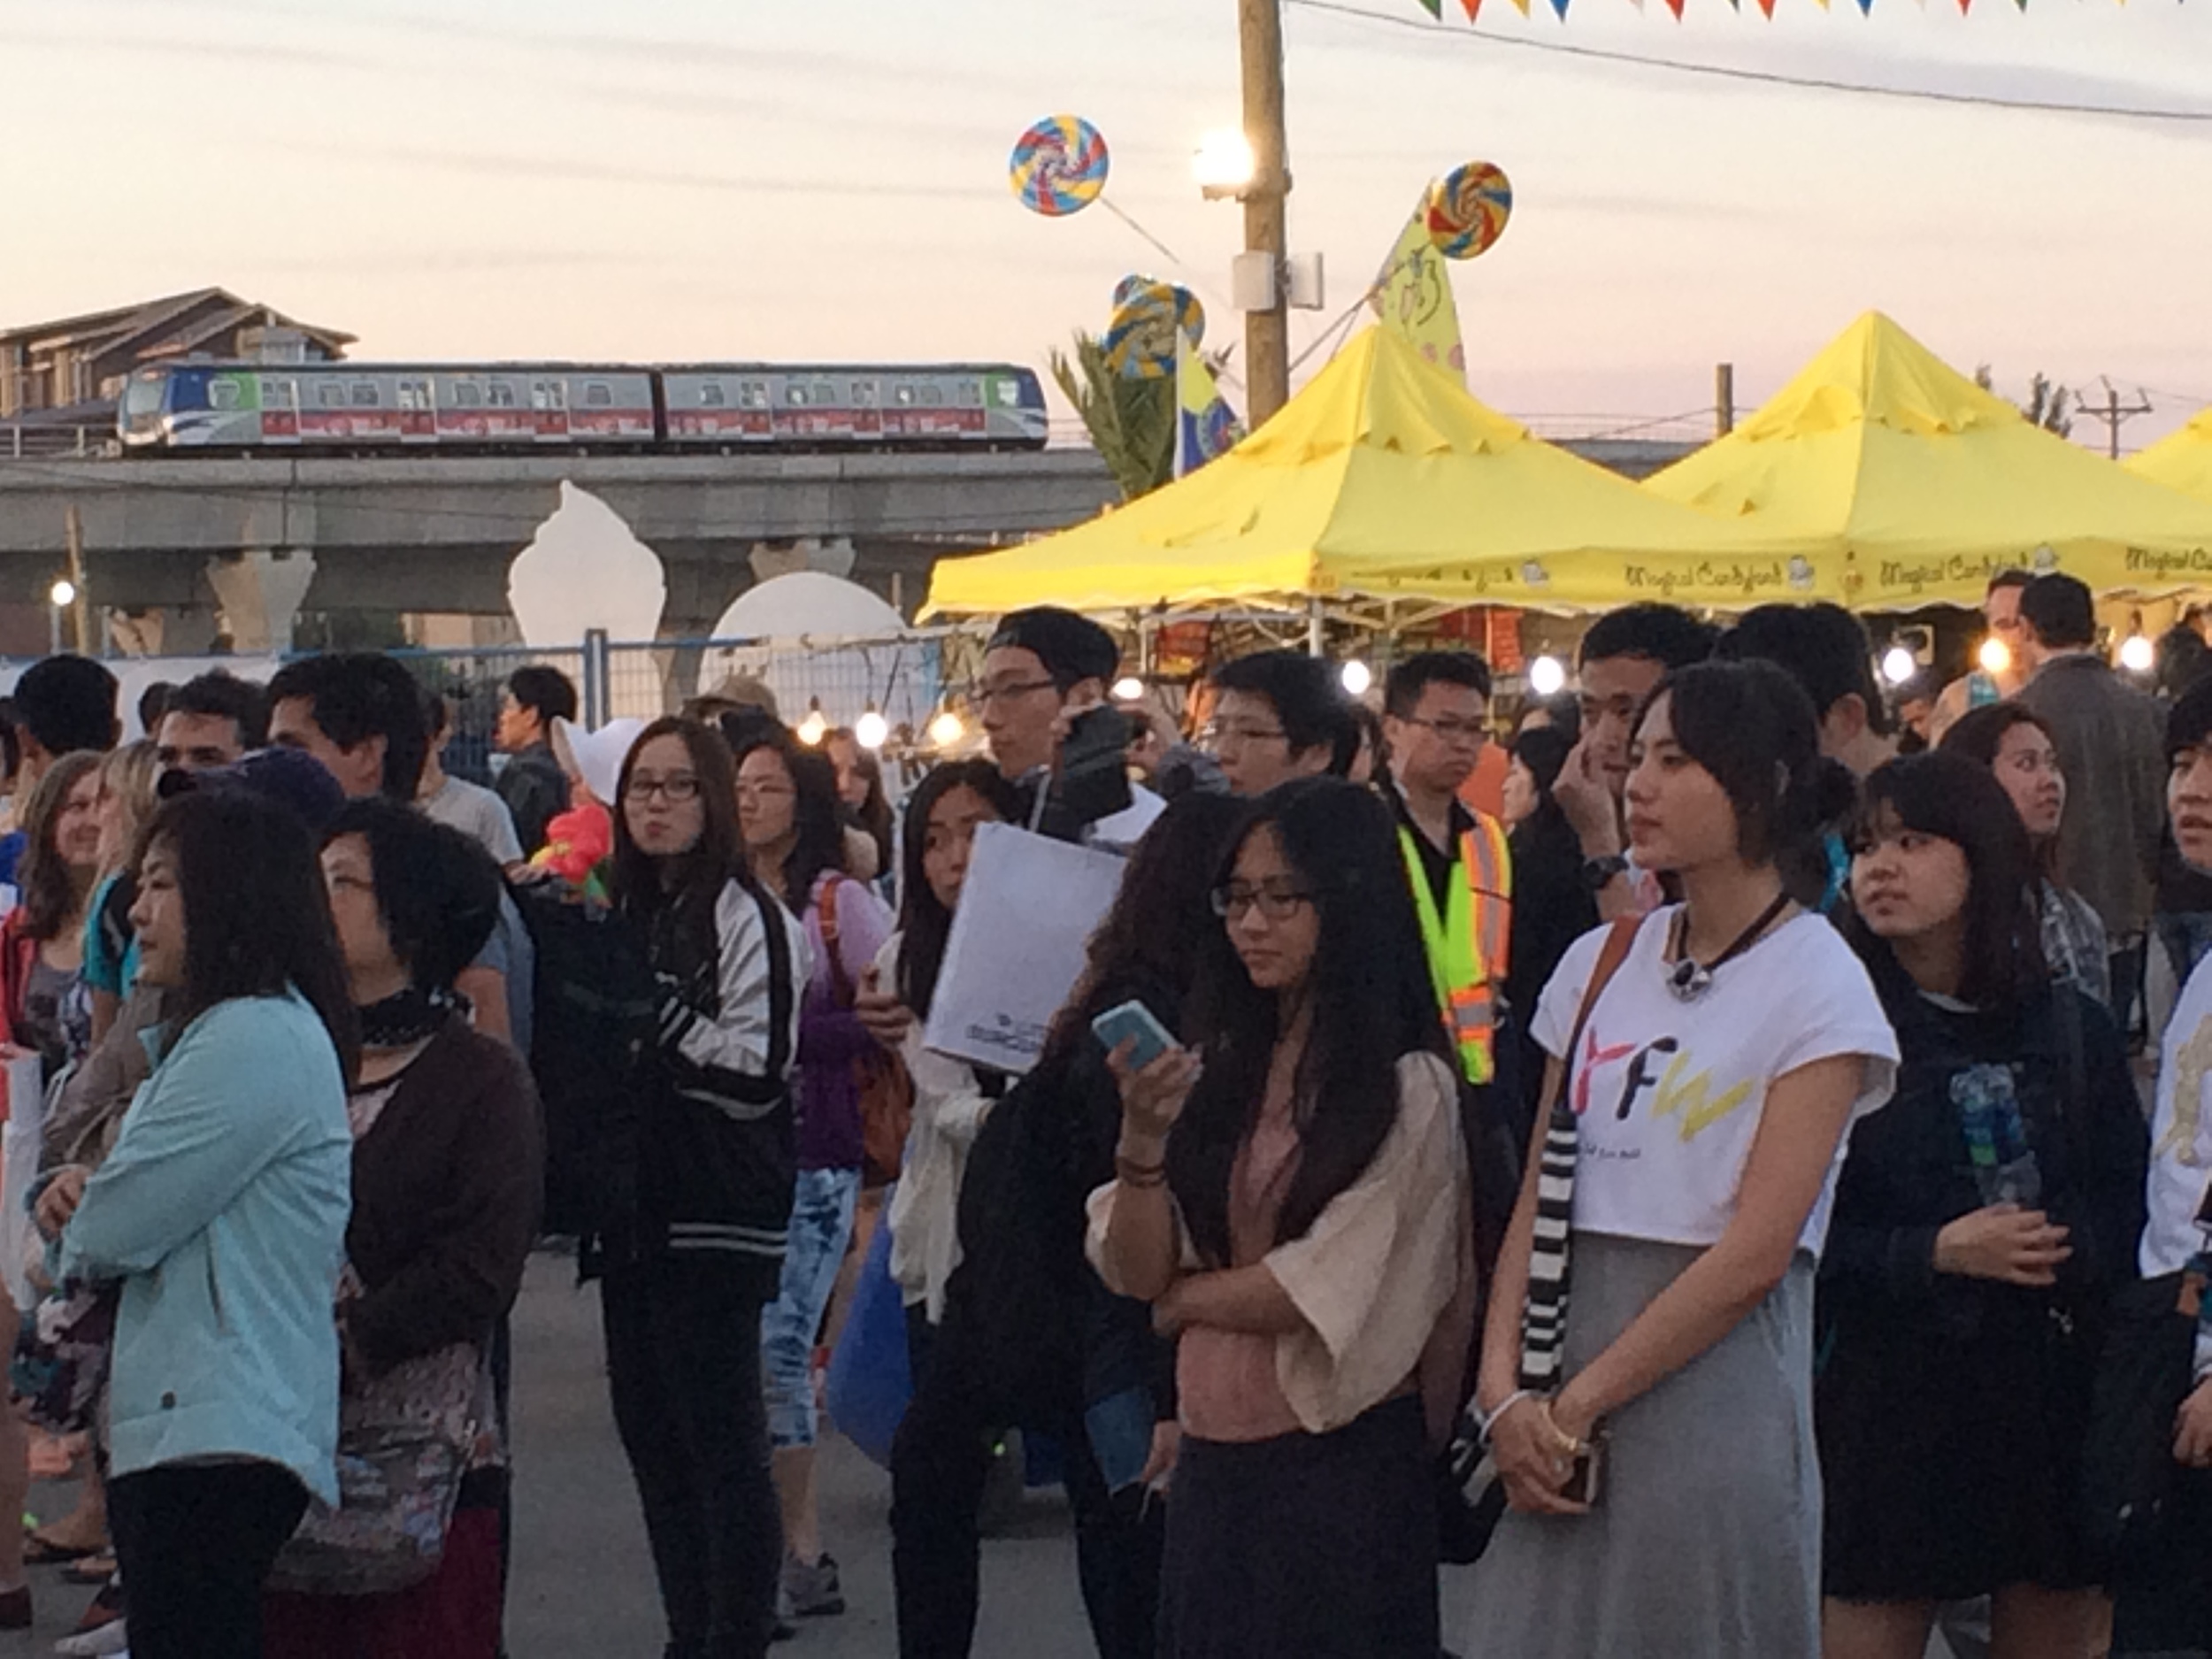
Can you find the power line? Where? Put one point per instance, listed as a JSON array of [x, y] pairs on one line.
[[1763, 77]]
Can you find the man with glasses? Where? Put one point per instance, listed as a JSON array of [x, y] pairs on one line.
[[1045, 675], [1436, 716], [1280, 715]]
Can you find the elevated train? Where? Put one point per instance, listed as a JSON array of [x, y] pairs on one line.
[[235, 408]]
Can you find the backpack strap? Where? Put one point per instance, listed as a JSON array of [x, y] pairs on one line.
[[1544, 1316]]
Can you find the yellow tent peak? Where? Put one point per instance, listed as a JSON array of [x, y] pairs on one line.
[[1875, 372], [2181, 460], [1379, 393]]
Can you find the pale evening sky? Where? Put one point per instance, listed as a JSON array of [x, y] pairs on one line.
[[675, 179]]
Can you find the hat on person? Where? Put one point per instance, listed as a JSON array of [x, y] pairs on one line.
[[291, 777], [597, 756], [1072, 648]]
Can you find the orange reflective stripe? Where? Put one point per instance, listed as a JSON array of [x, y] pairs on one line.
[[1489, 865]]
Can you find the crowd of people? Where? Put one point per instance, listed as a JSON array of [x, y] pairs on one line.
[[1726, 1163]]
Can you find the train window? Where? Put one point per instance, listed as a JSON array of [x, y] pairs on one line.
[[933, 396], [598, 394], [222, 394], [710, 396], [414, 394], [824, 395], [330, 395], [864, 394], [276, 394], [467, 395], [1005, 391], [362, 394], [970, 394], [904, 395], [753, 395], [500, 395], [549, 395], [795, 395]]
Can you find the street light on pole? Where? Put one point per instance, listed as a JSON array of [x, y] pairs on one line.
[[61, 596]]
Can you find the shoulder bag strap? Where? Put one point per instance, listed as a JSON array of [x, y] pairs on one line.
[[1544, 1316], [782, 994]]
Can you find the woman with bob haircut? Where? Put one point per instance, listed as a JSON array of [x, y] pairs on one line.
[[1291, 1196], [1648, 1355], [1984, 1219], [222, 1214]]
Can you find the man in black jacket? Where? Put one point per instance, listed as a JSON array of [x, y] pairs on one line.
[[532, 783]]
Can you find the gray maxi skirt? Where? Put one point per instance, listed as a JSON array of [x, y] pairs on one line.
[[1705, 1542]]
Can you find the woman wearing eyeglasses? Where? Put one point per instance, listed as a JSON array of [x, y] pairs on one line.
[[1291, 1196], [702, 1190]]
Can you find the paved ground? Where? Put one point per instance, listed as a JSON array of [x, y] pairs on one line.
[[583, 1583]]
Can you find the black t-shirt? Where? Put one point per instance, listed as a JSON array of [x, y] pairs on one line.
[[1437, 864]]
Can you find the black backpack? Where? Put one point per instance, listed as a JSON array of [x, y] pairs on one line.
[[592, 1004]]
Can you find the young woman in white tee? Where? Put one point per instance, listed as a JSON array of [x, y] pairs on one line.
[[1713, 1085]]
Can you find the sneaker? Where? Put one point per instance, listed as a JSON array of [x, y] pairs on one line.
[[809, 1591], [108, 1638]]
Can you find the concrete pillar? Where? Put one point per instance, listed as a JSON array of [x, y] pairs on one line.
[[260, 592], [163, 631]]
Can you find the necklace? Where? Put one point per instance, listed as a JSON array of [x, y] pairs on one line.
[[1690, 979]]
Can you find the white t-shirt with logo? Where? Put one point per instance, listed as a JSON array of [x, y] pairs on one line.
[[2181, 1133], [1670, 1094]]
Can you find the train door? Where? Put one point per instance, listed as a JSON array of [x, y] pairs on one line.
[[549, 409], [418, 410]]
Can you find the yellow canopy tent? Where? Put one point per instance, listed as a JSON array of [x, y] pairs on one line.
[[2181, 460], [1908, 485], [1381, 480]]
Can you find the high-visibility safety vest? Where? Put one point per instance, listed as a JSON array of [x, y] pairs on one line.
[[1468, 944]]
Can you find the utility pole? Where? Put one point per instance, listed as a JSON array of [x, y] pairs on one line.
[[81, 608], [2115, 415], [1266, 205], [1723, 399]]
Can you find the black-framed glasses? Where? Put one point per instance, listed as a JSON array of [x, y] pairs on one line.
[[677, 787], [983, 697], [1232, 900]]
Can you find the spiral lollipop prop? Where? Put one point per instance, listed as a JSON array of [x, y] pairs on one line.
[[1140, 339], [1059, 166], [1468, 209]]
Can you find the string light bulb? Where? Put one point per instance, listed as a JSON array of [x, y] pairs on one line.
[[815, 726], [2137, 655], [1128, 689], [1995, 657], [946, 729], [63, 593], [1546, 676], [1899, 664], [872, 729], [1357, 678]]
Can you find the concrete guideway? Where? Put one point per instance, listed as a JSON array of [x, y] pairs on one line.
[[435, 533]]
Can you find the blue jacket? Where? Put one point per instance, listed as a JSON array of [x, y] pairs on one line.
[[223, 1211]]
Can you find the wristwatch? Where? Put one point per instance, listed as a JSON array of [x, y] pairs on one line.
[[1598, 873]]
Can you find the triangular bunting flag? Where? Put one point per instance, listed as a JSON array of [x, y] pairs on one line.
[[1473, 6], [1434, 8], [1675, 6], [1523, 5], [1866, 8], [1767, 7], [1560, 6]]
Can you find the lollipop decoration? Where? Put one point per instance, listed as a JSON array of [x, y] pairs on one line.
[[1140, 339], [1468, 209], [1059, 166]]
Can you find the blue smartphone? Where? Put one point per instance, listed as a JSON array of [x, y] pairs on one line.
[[1134, 1021]]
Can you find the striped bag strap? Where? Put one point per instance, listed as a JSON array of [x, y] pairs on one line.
[[1544, 1315]]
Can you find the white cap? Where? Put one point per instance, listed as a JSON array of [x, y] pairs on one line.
[[596, 756]]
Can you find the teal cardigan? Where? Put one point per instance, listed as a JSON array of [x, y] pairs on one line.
[[223, 1211]]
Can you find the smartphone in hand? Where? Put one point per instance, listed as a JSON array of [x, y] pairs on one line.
[[1134, 1021]]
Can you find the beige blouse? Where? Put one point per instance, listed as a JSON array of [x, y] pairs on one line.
[[1373, 1277]]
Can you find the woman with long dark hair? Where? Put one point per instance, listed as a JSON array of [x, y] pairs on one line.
[[1030, 1335], [447, 1170], [1658, 1455], [950, 1097], [795, 837], [44, 1003], [222, 1213], [1290, 1194], [1983, 1220], [702, 1190], [2013, 744], [860, 792]]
